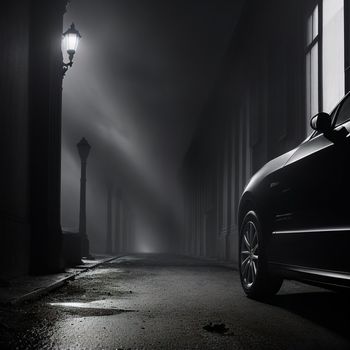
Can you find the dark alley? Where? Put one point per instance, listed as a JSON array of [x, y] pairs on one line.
[[174, 174]]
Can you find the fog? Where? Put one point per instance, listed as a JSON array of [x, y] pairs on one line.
[[141, 76]]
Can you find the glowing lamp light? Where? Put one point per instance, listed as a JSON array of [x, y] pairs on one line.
[[71, 39]]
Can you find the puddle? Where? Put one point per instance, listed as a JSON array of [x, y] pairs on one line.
[[94, 308], [103, 271]]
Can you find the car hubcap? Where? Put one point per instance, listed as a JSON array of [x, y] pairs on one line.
[[249, 254]]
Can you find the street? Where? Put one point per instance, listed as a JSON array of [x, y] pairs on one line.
[[161, 302]]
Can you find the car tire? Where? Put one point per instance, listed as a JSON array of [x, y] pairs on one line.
[[256, 280]]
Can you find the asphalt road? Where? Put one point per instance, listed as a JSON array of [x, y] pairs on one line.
[[159, 302]]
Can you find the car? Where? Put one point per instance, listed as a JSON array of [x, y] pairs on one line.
[[294, 214]]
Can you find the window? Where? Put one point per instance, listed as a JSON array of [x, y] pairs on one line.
[[312, 66], [333, 53], [325, 77]]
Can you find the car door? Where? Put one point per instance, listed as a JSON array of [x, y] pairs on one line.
[[311, 223]]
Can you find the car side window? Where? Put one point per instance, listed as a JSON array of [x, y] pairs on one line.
[[344, 112]]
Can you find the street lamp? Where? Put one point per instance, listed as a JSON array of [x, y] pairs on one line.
[[71, 39], [84, 150]]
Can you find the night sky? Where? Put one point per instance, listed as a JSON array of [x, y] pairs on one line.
[[140, 80]]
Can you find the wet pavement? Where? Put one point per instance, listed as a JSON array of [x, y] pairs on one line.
[[24, 288], [160, 302]]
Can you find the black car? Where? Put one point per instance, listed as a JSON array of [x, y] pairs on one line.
[[294, 219]]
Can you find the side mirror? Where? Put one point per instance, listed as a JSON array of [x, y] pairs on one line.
[[321, 122]]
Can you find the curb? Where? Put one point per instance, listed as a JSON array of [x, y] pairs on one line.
[[37, 293]]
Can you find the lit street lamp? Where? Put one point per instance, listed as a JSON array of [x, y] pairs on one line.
[[83, 149], [71, 39]]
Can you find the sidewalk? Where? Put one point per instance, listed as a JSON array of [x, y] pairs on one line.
[[31, 287]]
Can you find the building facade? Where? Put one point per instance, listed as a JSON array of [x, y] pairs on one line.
[[287, 60], [30, 142]]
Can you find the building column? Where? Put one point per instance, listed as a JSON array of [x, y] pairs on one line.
[[224, 198], [228, 160], [193, 220], [235, 194], [124, 225], [126, 229], [14, 150], [45, 96]]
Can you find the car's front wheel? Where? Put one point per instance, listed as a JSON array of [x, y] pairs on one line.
[[256, 280]]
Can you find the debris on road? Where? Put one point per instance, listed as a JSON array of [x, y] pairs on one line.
[[216, 328]]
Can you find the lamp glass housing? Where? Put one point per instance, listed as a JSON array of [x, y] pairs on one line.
[[71, 40], [83, 149]]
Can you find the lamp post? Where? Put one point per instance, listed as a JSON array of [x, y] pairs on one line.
[[109, 219], [71, 39], [118, 223], [83, 149]]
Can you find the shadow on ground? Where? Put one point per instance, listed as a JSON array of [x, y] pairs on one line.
[[326, 308]]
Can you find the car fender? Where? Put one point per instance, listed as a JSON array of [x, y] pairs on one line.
[[256, 194]]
